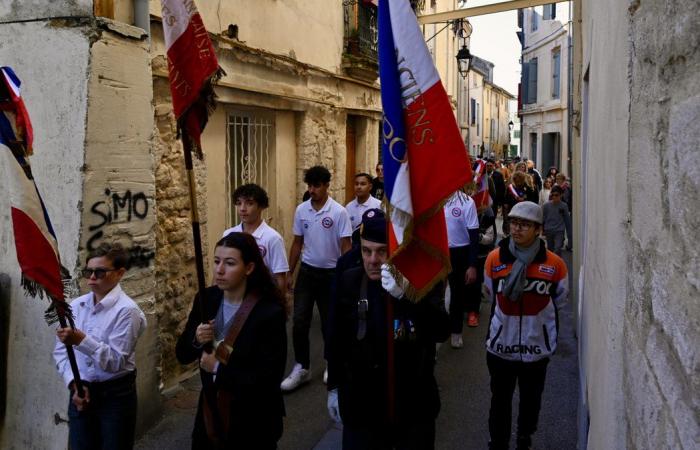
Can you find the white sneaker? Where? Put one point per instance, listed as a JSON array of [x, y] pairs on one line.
[[456, 341], [297, 377], [325, 376]]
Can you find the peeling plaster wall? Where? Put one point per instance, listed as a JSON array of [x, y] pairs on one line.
[[119, 185], [35, 391], [16, 10], [640, 321]]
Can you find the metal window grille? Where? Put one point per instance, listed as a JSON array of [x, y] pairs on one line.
[[250, 138]]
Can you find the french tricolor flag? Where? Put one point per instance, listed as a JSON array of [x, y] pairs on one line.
[[192, 66], [35, 240], [424, 156], [481, 196]]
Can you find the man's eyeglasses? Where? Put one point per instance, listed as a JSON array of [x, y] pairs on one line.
[[521, 225], [99, 272]]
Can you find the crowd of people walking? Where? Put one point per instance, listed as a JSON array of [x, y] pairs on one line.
[[379, 346]]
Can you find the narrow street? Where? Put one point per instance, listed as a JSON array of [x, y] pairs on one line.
[[464, 383]]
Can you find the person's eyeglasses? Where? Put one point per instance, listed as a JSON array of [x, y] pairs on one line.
[[99, 272], [521, 225]]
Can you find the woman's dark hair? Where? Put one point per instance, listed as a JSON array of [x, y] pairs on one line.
[[260, 279], [549, 172]]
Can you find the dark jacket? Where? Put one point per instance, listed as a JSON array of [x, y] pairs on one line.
[[499, 187], [252, 376], [358, 367]]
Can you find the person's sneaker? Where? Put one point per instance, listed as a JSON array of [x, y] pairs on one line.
[[297, 377], [456, 341], [473, 319], [325, 376]]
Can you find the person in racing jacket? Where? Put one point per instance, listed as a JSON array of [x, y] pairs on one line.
[[527, 284]]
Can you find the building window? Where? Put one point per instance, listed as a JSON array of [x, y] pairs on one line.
[[251, 144], [556, 71], [534, 20], [533, 147], [478, 124], [530, 81], [516, 134], [473, 112], [549, 12]]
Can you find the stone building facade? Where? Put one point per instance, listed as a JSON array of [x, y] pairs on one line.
[[109, 165], [545, 94], [636, 197], [285, 104]]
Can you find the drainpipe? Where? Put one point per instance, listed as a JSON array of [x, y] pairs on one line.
[[142, 16]]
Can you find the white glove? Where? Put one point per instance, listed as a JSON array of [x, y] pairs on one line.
[[333, 409], [389, 283]]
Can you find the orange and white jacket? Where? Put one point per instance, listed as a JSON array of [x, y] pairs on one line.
[[525, 330]]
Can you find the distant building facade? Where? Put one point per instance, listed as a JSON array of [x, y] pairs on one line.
[[544, 95]]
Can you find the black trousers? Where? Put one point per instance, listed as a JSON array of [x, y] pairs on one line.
[[313, 285], [530, 378], [462, 296]]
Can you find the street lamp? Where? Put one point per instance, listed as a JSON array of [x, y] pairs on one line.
[[464, 59]]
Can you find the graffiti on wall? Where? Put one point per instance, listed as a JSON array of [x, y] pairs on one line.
[[124, 208]]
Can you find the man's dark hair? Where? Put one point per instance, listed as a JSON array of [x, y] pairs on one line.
[[114, 252], [317, 175], [380, 163], [366, 175], [556, 189], [254, 192]]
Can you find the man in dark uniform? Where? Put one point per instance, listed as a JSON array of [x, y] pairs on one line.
[[378, 183], [370, 308]]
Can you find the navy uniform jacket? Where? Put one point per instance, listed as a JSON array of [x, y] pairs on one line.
[[358, 367]]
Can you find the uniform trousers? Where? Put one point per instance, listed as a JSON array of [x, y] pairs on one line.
[[313, 285]]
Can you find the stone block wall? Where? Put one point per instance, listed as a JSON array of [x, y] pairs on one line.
[[176, 276], [662, 322]]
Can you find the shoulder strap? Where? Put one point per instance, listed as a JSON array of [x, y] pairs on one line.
[[225, 347], [362, 306]]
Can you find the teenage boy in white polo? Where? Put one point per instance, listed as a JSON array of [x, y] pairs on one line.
[[321, 235], [251, 200], [362, 203]]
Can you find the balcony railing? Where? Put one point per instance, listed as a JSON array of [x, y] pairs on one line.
[[361, 37]]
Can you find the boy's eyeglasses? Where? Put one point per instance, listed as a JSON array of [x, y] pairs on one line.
[[99, 273], [521, 225]]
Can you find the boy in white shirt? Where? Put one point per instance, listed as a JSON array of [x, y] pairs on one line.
[[362, 203], [250, 200], [321, 235]]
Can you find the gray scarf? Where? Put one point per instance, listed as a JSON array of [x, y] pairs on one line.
[[516, 281]]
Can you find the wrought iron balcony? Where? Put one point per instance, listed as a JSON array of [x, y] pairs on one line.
[[361, 36]]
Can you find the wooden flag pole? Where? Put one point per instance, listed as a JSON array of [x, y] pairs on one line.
[[196, 231]]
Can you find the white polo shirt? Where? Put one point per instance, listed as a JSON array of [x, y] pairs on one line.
[[322, 231], [460, 216], [271, 246], [356, 210]]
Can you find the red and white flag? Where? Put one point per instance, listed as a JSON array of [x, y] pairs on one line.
[[192, 66], [481, 196]]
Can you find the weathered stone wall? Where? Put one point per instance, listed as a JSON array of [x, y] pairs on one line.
[[321, 140], [662, 322], [639, 229], [176, 276]]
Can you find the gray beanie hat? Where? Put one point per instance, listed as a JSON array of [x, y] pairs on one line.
[[527, 211]]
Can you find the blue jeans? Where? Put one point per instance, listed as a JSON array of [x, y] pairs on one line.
[[109, 421]]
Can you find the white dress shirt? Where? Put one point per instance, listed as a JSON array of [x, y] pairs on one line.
[[111, 329], [271, 246]]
